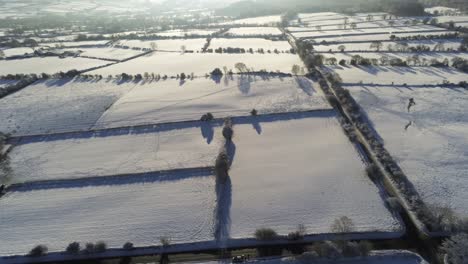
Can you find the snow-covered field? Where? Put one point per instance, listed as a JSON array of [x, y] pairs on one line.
[[378, 37], [188, 32], [365, 46], [74, 43], [234, 96], [428, 56], [338, 25], [17, 51], [441, 10], [300, 170], [358, 32], [456, 19], [127, 151], [107, 53], [48, 65], [201, 64], [263, 20], [249, 31], [432, 150], [177, 206], [55, 106], [167, 44], [247, 43], [387, 75]]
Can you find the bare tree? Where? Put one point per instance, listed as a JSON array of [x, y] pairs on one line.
[[241, 67], [183, 49], [377, 45], [154, 46], [296, 69], [342, 225]]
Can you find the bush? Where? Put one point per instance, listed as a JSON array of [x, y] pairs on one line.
[[228, 132], [38, 251], [298, 234], [73, 248], [365, 248], [394, 204], [327, 249], [265, 234], [456, 249], [207, 117], [165, 241], [342, 225], [217, 72], [100, 247], [128, 246], [373, 172], [89, 248]]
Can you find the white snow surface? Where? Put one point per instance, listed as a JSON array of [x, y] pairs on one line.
[[170, 101], [365, 46], [263, 20], [138, 150], [247, 43], [57, 106], [359, 32], [440, 56], [300, 170], [167, 44], [200, 64], [48, 65], [248, 31], [433, 150], [387, 75], [107, 53], [180, 209], [378, 37]]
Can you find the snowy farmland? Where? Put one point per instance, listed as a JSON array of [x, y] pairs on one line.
[[48, 65], [254, 31], [365, 46], [363, 33], [107, 153], [378, 37], [274, 190], [178, 206], [429, 142], [73, 44], [17, 51], [58, 105], [250, 43], [260, 21], [170, 101], [187, 32], [386, 75], [422, 56], [107, 53], [201, 64], [167, 44]]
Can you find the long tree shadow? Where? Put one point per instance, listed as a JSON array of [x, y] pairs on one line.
[[256, 125], [207, 131], [305, 85], [114, 180], [223, 211]]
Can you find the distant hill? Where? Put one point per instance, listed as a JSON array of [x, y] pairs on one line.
[[249, 8]]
